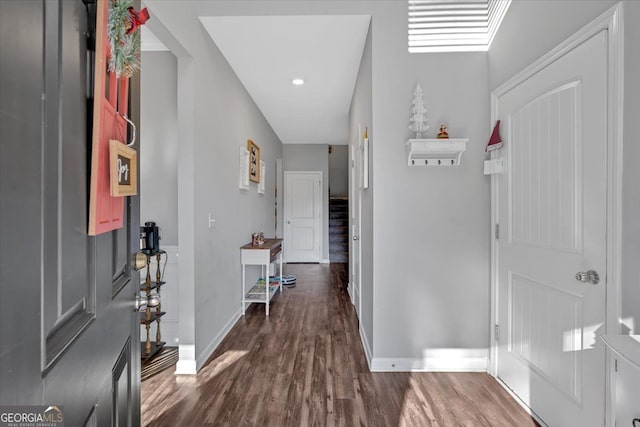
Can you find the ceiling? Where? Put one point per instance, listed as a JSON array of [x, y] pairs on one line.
[[268, 52]]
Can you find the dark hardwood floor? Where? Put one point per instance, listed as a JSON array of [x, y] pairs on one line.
[[305, 366]]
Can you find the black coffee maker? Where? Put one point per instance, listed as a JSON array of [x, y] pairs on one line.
[[150, 238]]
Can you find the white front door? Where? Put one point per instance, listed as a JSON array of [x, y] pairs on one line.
[[552, 210], [354, 221], [303, 216]]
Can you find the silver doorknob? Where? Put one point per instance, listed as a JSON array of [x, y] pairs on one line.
[[140, 301], [356, 238], [590, 276]]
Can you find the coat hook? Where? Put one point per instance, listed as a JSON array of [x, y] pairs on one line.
[[133, 136]]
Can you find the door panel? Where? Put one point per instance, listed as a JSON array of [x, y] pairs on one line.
[[553, 208], [303, 210], [63, 328], [69, 285]]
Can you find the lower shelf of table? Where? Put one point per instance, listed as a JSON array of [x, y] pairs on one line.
[[155, 348], [248, 298]]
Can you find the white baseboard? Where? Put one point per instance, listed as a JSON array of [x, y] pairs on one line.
[[325, 261], [186, 360], [354, 293], [208, 351], [438, 360], [520, 402], [366, 346]]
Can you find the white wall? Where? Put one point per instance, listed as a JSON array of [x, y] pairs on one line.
[[521, 26], [361, 116], [159, 144], [311, 157], [339, 171]]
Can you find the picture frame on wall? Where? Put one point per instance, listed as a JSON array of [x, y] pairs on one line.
[[365, 163], [123, 169], [263, 178], [254, 161], [243, 177]]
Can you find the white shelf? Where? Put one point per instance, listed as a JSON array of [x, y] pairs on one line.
[[258, 293], [435, 152]]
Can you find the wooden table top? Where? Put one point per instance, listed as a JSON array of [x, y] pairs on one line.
[[268, 244]]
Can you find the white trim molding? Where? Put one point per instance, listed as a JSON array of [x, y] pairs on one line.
[[437, 360], [208, 351], [367, 347], [612, 22], [521, 403], [187, 360]]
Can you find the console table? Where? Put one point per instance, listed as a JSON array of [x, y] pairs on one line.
[[262, 255]]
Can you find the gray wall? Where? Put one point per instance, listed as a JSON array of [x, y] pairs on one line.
[[159, 144], [226, 117], [521, 26], [339, 171], [216, 116], [631, 175], [360, 116], [532, 28], [431, 226], [311, 157]]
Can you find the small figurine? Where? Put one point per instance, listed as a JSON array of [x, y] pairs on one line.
[[443, 132]]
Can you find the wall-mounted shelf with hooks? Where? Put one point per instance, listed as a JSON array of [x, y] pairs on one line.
[[435, 152]]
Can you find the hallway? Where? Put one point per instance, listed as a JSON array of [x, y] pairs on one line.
[[305, 366]]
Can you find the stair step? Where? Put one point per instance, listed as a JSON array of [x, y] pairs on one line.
[[338, 222], [339, 257], [339, 215], [338, 238], [339, 201], [338, 230]]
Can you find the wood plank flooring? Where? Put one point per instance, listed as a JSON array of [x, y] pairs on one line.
[[305, 366]]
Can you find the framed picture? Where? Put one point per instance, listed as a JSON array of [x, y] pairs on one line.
[[123, 169], [243, 176], [254, 161], [263, 181], [365, 163]]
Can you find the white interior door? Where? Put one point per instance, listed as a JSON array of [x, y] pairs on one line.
[[303, 216], [355, 155], [552, 210]]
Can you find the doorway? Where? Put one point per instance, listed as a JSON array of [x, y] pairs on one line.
[[551, 249], [303, 216]]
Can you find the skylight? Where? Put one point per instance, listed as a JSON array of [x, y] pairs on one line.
[[454, 26]]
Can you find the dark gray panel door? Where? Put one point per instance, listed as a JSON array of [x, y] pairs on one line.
[[67, 324]]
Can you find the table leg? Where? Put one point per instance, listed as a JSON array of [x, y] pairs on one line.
[[281, 272], [267, 288], [244, 291]]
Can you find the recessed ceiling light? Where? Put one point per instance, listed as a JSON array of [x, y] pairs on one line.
[[298, 82]]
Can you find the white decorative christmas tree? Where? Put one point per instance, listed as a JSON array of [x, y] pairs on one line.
[[418, 122]]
